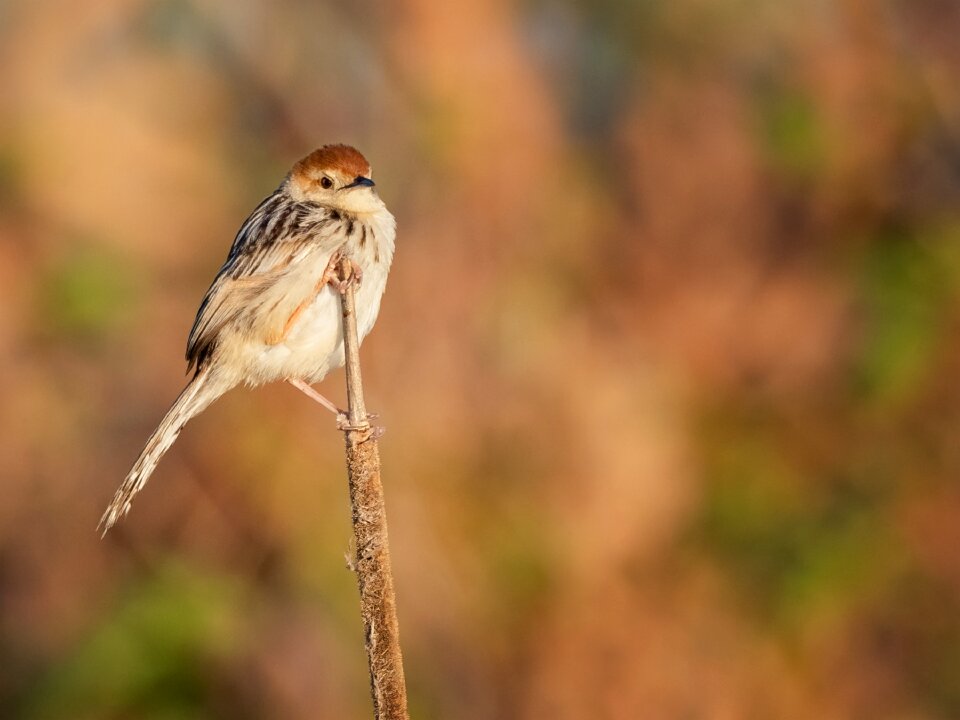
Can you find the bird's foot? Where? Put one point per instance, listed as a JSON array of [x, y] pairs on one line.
[[371, 432], [341, 275], [349, 274], [331, 274]]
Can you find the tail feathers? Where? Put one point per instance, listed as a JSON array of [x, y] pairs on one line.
[[194, 399]]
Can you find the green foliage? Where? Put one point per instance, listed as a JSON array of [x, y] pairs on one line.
[[795, 543], [151, 656], [522, 561], [792, 134], [11, 174], [87, 293], [905, 284]]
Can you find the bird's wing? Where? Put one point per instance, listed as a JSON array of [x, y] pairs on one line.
[[273, 268]]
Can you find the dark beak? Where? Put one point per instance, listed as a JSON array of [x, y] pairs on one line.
[[360, 181]]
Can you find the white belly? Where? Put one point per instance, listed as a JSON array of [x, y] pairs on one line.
[[314, 344]]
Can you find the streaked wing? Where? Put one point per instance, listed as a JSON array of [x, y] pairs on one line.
[[271, 269]]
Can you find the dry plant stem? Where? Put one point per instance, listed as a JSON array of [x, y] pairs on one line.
[[372, 562]]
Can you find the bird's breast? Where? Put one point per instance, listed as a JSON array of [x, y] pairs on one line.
[[314, 344]]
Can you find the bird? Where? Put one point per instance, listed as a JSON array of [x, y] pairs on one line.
[[272, 312]]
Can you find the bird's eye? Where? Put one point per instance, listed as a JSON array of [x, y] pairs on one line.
[[326, 183]]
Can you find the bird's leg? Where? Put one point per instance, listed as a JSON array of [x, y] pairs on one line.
[[342, 415], [314, 395]]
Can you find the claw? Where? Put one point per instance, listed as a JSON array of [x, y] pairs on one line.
[[331, 274], [374, 432], [338, 279]]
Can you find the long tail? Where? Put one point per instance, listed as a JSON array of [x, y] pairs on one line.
[[202, 390]]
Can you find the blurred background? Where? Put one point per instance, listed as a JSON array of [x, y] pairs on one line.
[[668, 360]]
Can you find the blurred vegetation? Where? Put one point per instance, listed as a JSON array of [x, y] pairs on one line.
[[668, 359]]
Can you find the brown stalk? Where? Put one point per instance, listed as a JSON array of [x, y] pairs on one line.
[[378, 606]]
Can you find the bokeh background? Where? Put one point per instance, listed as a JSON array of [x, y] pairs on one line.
[[668, 360]]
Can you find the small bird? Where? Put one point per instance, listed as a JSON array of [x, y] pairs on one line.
[[273, 312]]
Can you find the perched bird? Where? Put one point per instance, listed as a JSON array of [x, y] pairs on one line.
[[273, 312]]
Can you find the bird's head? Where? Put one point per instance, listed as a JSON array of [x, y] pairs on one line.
[[337, 176]]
